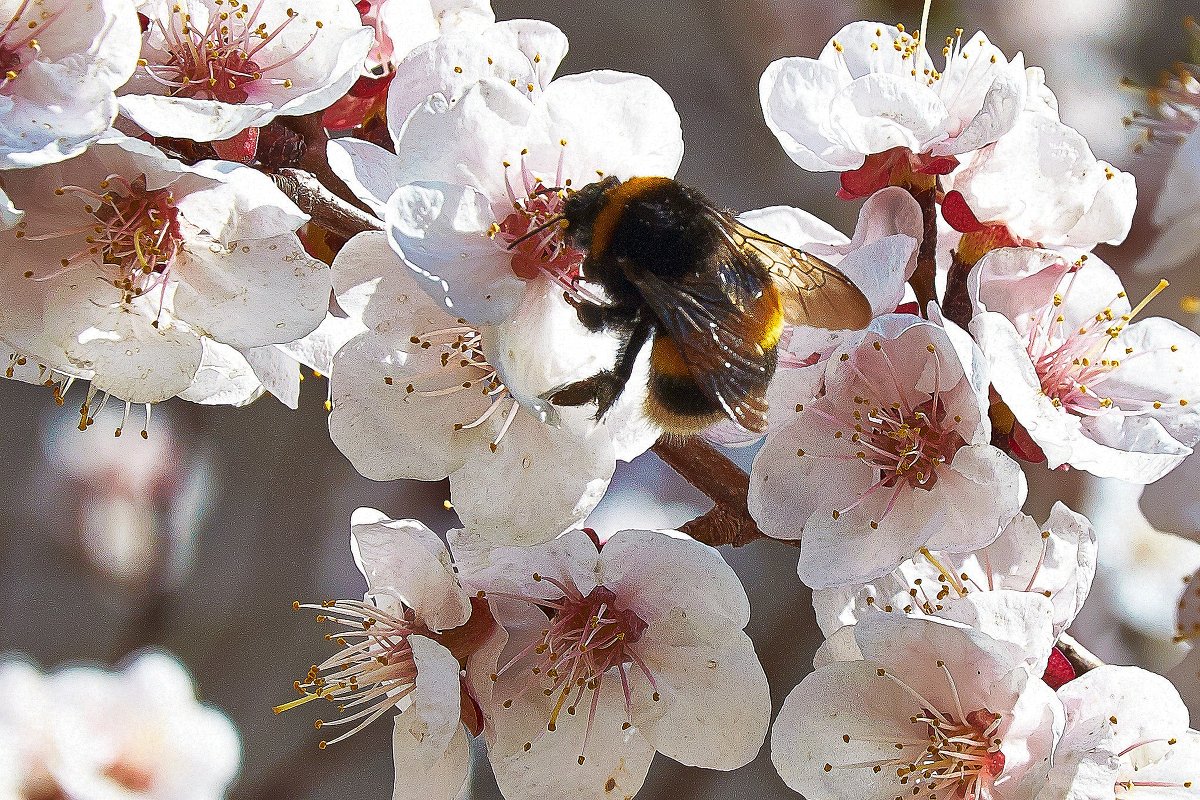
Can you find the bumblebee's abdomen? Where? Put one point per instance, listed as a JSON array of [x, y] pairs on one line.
[[675, 400]]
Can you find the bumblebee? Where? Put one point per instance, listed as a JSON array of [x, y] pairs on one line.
[[710, 295]]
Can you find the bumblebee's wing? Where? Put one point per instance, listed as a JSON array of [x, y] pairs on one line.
[[813, 292], [716, 340]]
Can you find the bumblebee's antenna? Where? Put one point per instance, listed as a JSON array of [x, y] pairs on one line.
[[537, 230]]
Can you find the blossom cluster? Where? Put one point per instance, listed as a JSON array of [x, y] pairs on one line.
[[153, 256]]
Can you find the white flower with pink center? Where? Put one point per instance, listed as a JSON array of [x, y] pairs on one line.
[[1040, 184], [424, 394], [879, 259], [60, 63], [613, 655], [411, 646], [874, 104], [488, 157], [1056, 560], [1127, 735], [1092, 388], [212, 68], [92, 734], [126, 259], [890, 457], [402, 26], [932, 709]]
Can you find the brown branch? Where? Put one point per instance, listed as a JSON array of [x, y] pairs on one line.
[[926, 273], [327, 209], [728, 522], [1082, 659], [316, 155]]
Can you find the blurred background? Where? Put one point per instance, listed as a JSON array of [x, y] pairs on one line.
[[198, 539]]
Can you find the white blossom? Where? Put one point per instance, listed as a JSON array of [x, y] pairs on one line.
[[874, 89], [60, 62], [481, 162], [930, 708], [891, 456], [1127, 736], [212, 68], [1092, 388], [403, 648], [423, 394], [126, 259], [90, 734], [612, 655], [1056, 560]]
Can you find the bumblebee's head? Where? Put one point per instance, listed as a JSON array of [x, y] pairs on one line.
[[582, 207]]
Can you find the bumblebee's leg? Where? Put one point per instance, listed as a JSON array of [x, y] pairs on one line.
[[606, 386], [598, 318]]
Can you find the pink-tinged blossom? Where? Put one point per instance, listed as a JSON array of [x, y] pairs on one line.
[[1056, 560], [424, 394], [91, 734], [873, 106], [879, 259], [1127, 736], [410, 646], [126, 260], [60, 63], [891, 456], [485, 158], [929, 708], [402, 26], [612, 655], [210, 69], [1093, 389], [1039, 184]]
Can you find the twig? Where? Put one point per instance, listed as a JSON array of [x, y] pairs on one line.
[[728, 522], [326, 208], [926, 272], [956, 305], [1082, 659]]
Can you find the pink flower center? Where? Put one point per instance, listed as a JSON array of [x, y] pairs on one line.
[[19, 42], [130, 776], [1073, 364], [950, 753], [586, 638], [532, 231], [905, 443], [134, 234], [222, 59]]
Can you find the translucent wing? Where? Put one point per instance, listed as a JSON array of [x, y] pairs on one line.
[[715, 338], [813, 292]]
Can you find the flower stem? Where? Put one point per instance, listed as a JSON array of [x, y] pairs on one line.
[[923, 278], [728, 522]]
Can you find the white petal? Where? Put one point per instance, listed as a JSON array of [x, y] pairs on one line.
[[225, 377], [262, 291], [420, 779], [404, 560], [370, 171], [439, 230], [1147, 707], [716, 699], [656, 575], [796, 96], [424, 736]]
